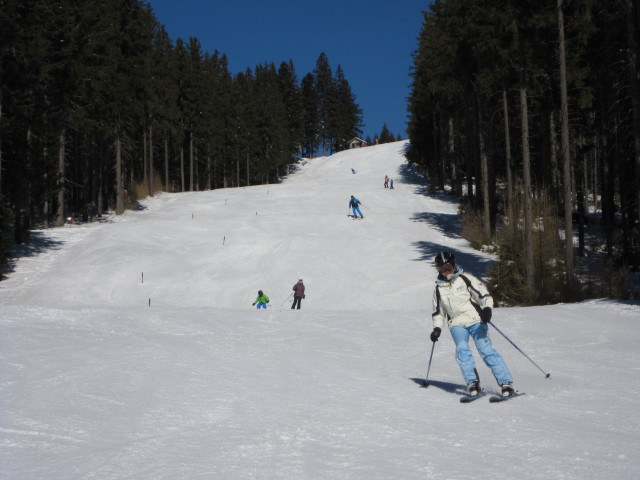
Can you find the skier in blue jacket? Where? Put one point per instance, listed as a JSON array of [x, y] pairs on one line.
[[354, 205]]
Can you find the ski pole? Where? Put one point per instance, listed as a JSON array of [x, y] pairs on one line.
[[546, 375], [426, 379], [285, 300]]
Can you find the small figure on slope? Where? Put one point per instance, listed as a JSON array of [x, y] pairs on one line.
[[386, 181], [262, 300], [298, 294], [354, 205], [464, 302]]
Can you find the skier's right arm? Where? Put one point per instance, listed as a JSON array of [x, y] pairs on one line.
[[438, 315]]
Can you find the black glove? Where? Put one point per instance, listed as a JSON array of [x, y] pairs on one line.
[[436, 334], [485, 315]]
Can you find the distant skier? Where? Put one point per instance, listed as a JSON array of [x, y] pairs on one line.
[[354, 205], [391, 182], [298, 294], [464, 303], [386, 181], [353, 171], [262, 300]]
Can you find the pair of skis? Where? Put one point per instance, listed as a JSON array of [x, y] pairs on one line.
[[492, 398]]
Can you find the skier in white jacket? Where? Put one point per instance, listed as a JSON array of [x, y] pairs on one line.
[[464, 303]]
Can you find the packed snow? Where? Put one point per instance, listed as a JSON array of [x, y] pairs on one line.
[[130, 348]]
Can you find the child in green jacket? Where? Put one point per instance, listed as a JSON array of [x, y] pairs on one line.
[[262, 300]]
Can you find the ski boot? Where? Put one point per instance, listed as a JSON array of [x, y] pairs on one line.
[[507, 389], [473, 388]]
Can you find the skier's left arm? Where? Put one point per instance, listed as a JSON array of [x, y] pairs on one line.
[[479, 293]]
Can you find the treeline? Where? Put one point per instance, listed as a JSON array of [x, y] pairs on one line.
[[530, 110], [385, 136], [98, 105]]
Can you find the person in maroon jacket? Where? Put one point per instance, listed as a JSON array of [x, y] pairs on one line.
[[298, 294]]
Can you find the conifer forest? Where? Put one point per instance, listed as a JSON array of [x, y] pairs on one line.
[[98, 107], [530, 111]]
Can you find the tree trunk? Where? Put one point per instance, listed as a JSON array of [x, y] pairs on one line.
[[166, 164], [486, 206], [145, 178], [457, 186], [45, 206], [596, 170], [507, 147], [150, 161], [469, 151], [217, 155], [196, 172], [209, 166], [442, 154], [100, 196], [61, 179], [182, 168], [566, 154], [580, 196], [438, 169], [119, 192], [191, 160], [553, 147], [225, 168], [526, 174]]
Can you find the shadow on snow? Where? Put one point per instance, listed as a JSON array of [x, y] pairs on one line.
[[448, 387], [474, 264]]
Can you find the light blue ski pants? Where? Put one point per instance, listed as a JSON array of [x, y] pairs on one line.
[[261, 305], [480, 334], [357, 210]]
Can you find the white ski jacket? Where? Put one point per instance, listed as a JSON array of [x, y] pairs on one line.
[[459, 300]]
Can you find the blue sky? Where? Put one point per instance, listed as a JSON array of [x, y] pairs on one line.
[[372, 40]]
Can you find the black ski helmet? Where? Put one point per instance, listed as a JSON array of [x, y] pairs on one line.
[[444, 257], [259, 293]]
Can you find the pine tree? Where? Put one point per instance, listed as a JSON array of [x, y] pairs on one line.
[[385, 135], [311, 116], [271, 132], [324, 88], [346, 116], [165, 90], [292, 97], [216, 107]]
